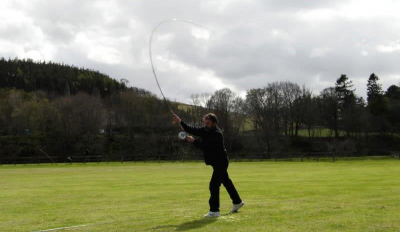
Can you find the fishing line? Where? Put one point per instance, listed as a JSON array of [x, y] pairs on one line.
[[151, 57]]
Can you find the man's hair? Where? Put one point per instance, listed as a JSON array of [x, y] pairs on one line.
[[211, 117]]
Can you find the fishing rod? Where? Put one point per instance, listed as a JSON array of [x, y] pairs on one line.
[[151, 57]]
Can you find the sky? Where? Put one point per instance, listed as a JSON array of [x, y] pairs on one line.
[[249, 44]]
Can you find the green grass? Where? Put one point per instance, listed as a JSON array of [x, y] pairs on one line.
[[351, 195]]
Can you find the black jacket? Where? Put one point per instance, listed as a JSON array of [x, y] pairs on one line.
[[211, 143]]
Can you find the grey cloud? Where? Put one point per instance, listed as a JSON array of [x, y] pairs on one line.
[[252, 43]]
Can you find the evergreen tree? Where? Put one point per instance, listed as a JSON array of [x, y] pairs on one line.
[[343, 88], [377, 102], [347, 101], [374, 89]]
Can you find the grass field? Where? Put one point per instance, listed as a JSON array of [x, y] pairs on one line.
[[358, 195]]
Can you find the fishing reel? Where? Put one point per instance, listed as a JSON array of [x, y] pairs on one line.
[[182, 135]]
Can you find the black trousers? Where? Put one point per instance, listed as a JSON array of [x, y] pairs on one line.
[[220, 176]]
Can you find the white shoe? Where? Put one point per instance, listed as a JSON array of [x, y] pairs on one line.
[[236, 207], [212, 214]]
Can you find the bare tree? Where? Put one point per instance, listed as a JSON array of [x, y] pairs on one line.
[[205, 99], [222, 103], [291, 120], [329, 109], [196, 110], [304, 109]]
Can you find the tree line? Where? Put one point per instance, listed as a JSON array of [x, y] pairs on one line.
[[285, 109], [55, 79], [65, 111]]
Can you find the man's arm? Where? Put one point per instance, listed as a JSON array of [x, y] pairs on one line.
[[197, 131], [189, 129], [197, 143]]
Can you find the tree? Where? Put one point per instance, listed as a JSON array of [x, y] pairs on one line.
[[222, 103], [378, 105], [265, 106], [343, 89], [238, 118], [374, 89], [238, 114], [255, 106], [393, 114], [347, 102], [393, 92], [196, 110], [291, 117], [329, 109], [305, 107]]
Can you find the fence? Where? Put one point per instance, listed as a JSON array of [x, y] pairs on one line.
[[235, 157]]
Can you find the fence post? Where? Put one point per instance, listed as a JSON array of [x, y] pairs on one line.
[[333, 157]]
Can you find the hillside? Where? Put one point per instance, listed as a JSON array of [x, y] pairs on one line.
[[54, 78]]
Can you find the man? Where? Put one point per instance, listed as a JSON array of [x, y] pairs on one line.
[[212, 145]]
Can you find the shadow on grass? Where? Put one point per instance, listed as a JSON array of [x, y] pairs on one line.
[[189, 225]]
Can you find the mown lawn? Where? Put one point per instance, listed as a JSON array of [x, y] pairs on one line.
[[352, 195]]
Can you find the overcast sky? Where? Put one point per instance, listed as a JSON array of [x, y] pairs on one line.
[[251, 43]]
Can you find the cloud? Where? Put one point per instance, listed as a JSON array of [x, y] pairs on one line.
[[319, 52], [251, 43], [392, 47]]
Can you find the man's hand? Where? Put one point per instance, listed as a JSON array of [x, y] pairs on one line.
[[176, 118], [190, 139]]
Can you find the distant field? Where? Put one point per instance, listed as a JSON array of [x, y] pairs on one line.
[[351, 195], [320, 132]]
